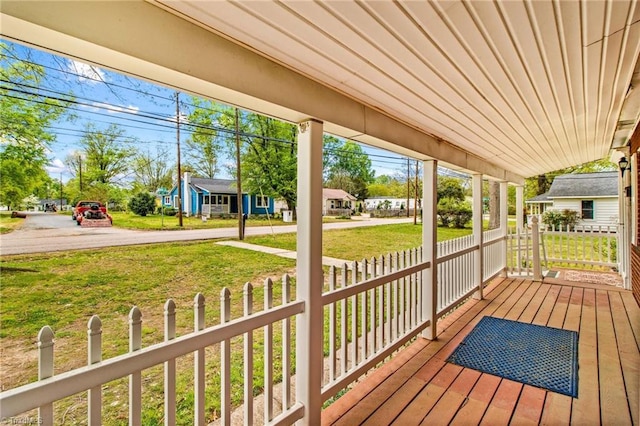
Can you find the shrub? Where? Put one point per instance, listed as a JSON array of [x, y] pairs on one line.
[[566, 219], [167, 211], [452, 212], [142, 203]]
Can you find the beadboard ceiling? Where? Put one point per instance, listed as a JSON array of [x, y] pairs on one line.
[[531, 86]]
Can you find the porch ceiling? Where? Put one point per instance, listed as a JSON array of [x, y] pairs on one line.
[[508, 89]]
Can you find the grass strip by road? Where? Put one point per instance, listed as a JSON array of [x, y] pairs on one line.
[[8, 223]]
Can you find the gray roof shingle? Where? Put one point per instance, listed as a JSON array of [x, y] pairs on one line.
[[603, 184]]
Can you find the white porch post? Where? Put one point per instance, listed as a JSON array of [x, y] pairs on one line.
[[429, 246], [478, 257], [504, 222], [309, 325], [519, 208]]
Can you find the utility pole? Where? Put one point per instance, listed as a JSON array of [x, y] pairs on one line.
[[239, 180], [179, 169], [408, 185]]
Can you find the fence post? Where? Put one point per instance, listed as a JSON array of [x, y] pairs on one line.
[[94, 355], [135, 379], [170, 366], [45, 369], [286, 346], [535, 248]]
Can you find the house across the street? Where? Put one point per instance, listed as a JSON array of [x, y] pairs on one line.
[[593, 195], [215, 197], [337, 202]]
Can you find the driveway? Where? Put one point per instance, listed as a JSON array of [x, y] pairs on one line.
[[46, 232]]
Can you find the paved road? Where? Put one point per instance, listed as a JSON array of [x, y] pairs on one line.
[[46, 232]]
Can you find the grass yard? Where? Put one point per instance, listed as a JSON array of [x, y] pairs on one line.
[[158, 222], [360, 243], [64, 289], [8, 223]]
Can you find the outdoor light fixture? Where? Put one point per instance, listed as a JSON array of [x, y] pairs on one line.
[[623, 164]]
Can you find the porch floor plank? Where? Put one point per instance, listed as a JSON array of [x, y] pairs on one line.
[[417, 386]]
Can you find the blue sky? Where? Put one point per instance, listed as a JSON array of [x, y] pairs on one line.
[[143, 110]]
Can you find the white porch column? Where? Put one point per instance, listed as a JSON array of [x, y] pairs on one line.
[[504, 222], [519, 208], [478, 237], [309, 325], [429, 248]]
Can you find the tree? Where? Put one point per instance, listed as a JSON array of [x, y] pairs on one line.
[[347, 167], [450, 187], [152, 171], [142, 203], [268, 154], [105, 158], [25, 115], [204, 145]]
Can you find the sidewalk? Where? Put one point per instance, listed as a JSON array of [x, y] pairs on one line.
[[327, 261]]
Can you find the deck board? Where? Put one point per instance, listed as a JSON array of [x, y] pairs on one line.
[[419, 387]]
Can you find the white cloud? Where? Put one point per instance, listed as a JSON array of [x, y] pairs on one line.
[[56, 166], [112, 109], [87, 73]]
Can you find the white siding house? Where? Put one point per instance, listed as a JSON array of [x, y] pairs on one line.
[[593, 195]]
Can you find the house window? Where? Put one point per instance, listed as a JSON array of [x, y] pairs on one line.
[[167, 200], [587, 209], [175, 201], [262, 201]]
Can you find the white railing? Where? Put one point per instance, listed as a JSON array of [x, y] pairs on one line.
[[373, 317], [51, 388], [372, 308], [584, 246]]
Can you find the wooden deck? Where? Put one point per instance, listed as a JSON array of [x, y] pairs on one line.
[[418, 387]]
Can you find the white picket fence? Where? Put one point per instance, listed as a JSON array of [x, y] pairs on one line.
[[372, 309], [583, 247]]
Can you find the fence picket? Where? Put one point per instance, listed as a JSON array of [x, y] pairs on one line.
[[286, 346], [365, 313], [268, 354], [135, 379], [332, 327], [354, 318], [248, 357], [199, 362], [344, 343], [170, 366], [225, 360], [45, 369], [94, 355]]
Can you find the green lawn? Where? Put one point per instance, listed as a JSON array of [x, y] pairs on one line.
[[360, 243], [159, 222], [8, 223], [63, 290]]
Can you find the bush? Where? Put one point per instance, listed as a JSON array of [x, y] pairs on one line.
[[142, 203], [167, 211], [566, 219], [452, 212]]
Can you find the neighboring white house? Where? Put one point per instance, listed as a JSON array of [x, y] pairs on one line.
[[336, 202], [593, 195], [389, 203]]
